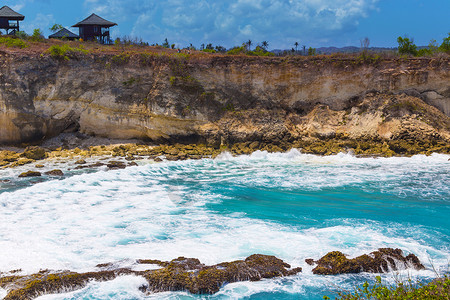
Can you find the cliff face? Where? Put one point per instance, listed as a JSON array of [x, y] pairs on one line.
[[221, 99]]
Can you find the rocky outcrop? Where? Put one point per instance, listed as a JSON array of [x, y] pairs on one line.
[[189, 274], [181, 274], [380, 261], [222, 100]]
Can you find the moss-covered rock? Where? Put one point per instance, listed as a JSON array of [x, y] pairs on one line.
[[187, 274], [54, 173], [35, 153], [30, 174], [380, 261]]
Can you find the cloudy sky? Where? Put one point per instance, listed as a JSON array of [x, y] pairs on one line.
[[313, 23]]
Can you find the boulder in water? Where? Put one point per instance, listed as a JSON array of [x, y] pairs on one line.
[[30, 174], [188, 274], [380, 261], [54, 173]]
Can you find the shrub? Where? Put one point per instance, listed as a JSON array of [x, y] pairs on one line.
[[64, 52], [406, 46], [209, 50], [237, 50], [259, 51], [22, 35], [13, 42], [437, 289], [121, 59], [311, 51], [445, 46], [37, 35]]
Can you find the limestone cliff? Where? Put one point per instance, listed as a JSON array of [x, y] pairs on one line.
[[221, 99]]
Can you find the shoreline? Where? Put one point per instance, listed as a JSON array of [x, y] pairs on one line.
[[11, 157]]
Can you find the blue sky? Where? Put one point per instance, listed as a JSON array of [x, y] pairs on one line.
[[313, 23]]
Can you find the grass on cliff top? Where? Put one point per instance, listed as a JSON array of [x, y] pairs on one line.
[[60, 49]]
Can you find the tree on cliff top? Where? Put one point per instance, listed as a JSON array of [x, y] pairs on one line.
[[406, 46], [445, 47], [56, 28]]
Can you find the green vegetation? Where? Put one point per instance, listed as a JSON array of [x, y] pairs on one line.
[[311, 51], [406, 46], [120, 59], [437, 289], [445, 46], [56, 28], [65, 52], [37, 35], [13, 42], [259, 51]]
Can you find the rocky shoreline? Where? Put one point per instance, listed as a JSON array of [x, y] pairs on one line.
[[35, 156], [189, 274]]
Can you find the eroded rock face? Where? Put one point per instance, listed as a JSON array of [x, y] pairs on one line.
[[181, 274], [222, 100], [380, 261]]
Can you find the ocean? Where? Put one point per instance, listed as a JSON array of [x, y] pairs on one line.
[[291, 205]]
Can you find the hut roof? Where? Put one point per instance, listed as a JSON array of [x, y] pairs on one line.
[[63, 33], [95, 20], [6, 12]]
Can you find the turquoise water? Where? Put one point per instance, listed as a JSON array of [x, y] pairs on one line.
[[291, 205]]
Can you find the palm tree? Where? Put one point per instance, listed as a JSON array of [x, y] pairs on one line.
[[265, 45], [296, 46], [249, 43]]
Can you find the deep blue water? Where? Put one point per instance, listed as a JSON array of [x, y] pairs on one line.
[[291, 205]]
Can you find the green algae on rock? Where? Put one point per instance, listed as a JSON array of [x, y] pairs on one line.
[[181, 274], [380, 261], [30, 174]]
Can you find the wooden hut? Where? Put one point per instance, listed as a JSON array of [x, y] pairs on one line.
[[64, 34], [9, 20], [95, 28]]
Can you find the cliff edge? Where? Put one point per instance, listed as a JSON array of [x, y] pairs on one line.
[[216, 99]]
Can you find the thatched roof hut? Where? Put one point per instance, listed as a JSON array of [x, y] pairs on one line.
[[9, 20], [95, 27], [64, 34]]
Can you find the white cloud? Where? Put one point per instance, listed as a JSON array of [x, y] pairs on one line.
[[230, 22]]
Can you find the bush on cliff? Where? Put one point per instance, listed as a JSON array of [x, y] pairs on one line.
[[445, 46], [259, 51], [437, 289], [64, 51], [406, 46], [13, 42]]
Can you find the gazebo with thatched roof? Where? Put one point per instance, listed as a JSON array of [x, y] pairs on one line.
[[9, 20], [64, 34], [95, 27]]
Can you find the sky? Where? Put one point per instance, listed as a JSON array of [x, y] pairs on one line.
[[313, 23]]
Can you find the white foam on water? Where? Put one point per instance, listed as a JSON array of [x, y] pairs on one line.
[[153, 212], [121, 288], [3, 293]]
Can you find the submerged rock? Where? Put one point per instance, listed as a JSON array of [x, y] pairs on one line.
[[380, 261], [54, 173], [30, 174], [181, 274], [115, 165]]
